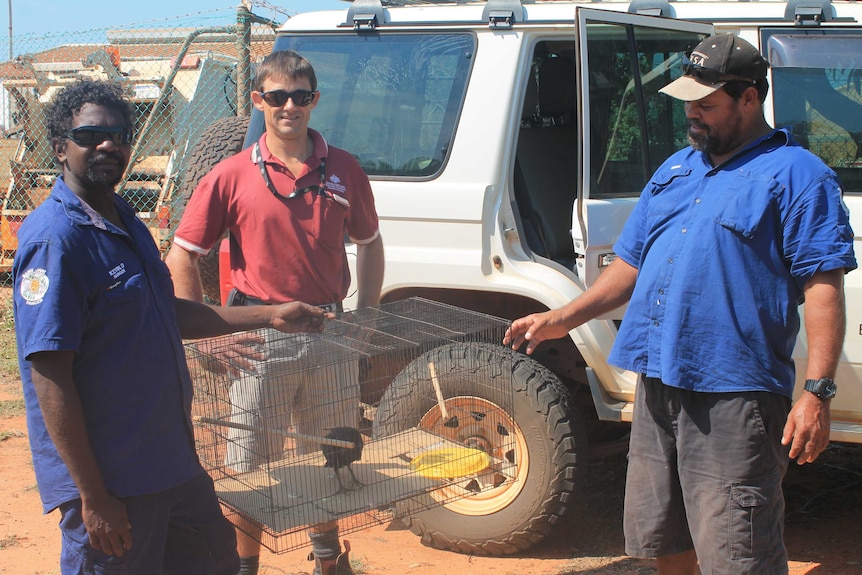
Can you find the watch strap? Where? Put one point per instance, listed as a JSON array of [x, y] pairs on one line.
[[824, 388]]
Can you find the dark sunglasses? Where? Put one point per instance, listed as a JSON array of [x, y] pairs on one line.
[[278, 98], [94, 135], [709, 75]]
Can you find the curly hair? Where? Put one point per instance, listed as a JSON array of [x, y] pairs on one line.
[[70, 100]]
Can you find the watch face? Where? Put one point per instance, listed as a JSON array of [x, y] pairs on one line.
[[823, 388]]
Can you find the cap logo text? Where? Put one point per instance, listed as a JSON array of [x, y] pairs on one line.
[[698, 59]]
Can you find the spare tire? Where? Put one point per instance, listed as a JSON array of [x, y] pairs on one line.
[[222, 139]]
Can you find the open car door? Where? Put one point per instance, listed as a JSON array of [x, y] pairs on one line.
[[629, 128]]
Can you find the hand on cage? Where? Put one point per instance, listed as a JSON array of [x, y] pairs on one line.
[[231, 354], [299, 317]]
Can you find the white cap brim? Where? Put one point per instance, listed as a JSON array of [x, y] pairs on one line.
[[689, 89]]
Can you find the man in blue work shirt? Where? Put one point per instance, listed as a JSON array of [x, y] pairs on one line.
[[728, 238], [106, 385]]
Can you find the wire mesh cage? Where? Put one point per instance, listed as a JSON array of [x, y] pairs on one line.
[[392, 410]]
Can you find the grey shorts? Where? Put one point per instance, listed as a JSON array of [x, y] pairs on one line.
[[291, 390], [704, 473]]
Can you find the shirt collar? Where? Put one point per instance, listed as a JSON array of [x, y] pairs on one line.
[[321, 150], [776, 138], [80, 212]]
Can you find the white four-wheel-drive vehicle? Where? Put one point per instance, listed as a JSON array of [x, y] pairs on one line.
[[506, 144]]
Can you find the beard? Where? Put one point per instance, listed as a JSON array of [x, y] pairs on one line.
[[96, 178], [702, 142], [708, 142]]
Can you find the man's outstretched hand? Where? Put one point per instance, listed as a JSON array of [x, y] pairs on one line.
[[534, 329], [239, 351]]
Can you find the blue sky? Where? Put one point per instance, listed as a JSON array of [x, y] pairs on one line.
[[50, 17]]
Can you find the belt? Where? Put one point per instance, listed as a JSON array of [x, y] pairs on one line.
[[238, 298]]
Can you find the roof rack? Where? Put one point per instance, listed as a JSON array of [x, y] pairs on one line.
[[651, 8], [367, 15], [393, 3], [809, 12]]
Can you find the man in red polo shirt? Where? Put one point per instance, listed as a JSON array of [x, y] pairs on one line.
[[288, 202]]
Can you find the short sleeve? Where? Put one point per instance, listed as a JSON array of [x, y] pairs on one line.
[[630, 245], [362, 221], [817, 233], [205, 218], [49, 299]]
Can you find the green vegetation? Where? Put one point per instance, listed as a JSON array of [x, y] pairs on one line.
[[11, 407], [8, 541], [9, 434]]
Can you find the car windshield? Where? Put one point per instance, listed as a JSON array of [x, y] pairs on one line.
[[390, 100]]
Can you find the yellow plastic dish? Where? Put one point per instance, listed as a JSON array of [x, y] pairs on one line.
[[450, 462]]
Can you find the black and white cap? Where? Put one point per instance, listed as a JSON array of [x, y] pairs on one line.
[[714, 62]]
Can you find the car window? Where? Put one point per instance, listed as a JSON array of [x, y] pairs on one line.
[[817, 93], [392, 101], [633, 128]]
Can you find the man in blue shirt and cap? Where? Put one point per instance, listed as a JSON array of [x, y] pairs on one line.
[[728, 238]]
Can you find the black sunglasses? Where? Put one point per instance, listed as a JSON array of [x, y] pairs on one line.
[[278, 98], [86, 136], [709, 75]]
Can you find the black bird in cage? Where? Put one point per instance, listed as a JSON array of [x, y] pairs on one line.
[[338, 457]]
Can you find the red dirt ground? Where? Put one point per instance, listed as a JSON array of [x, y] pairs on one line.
[[823, 533]]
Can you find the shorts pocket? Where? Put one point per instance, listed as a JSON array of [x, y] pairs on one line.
[[98, 563], [753, 517]]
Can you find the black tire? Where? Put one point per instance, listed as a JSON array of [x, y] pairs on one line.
[[553, 451], [222, 139]]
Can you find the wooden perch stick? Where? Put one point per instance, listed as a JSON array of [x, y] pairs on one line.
[[297, 436], [439, 393]]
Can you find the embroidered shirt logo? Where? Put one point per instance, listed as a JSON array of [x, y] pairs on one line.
[[34, 285], [117, 271], [334, 184]]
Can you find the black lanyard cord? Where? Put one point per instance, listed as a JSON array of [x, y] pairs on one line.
[[319, 188]]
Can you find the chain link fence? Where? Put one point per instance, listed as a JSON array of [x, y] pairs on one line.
[[179, 79]]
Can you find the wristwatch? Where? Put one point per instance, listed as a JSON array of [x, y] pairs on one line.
[[824, 388]]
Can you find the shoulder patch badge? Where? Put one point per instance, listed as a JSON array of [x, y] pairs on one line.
[[34, 285]]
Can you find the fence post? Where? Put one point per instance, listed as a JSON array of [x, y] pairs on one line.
[[243, 65]]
